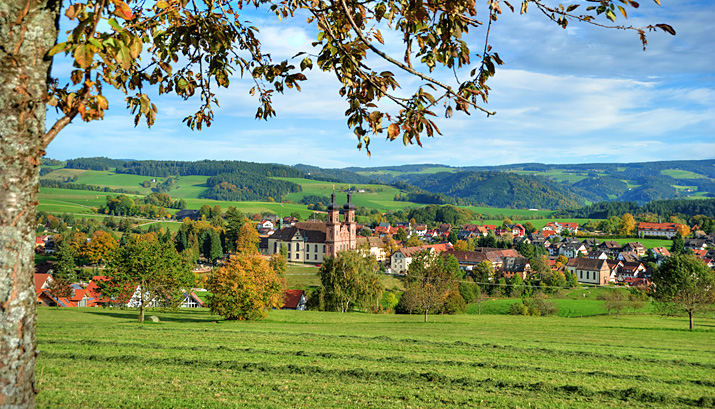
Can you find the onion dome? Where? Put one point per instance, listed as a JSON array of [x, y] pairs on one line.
[[349, 205], [332, 206]]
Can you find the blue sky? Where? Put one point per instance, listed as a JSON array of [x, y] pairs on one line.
[[578, 95]]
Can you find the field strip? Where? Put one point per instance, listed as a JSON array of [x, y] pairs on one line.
[[455, 344], [388, 376], [397, 359]]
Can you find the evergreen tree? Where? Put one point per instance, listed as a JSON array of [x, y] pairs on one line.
[[678, 246]]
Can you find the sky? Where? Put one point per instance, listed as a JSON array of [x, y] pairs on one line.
[[579, 95]]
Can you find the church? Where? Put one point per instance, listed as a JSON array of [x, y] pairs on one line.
[[311, 242]]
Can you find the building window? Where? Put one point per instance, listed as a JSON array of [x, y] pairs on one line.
[[275, 247], [316, 257], [288, 246], [297, 246], [288, 256]]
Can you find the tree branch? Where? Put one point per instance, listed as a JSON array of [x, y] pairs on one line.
[[403, 66]]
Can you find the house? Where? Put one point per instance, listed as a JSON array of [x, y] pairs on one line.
[[516, 230], [635, 247], [191, 300], [402, 258], [615, 267], [375, 245], [404, 226], [572, 250], [289, 221], [612, 248], [660, 253], [589, 270], [695, 244], [591, 243], [466, 259], [294, 300], [43, 281], [630, 269], [597, 254], [420, 230], [184, 213], [311, 242], [667, 230], [265, 224], [512, 266], [47, 299], [627, 256]]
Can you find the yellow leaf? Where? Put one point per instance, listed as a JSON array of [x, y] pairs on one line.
[[83, 55]]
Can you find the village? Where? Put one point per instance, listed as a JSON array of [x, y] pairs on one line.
[[558, 255]]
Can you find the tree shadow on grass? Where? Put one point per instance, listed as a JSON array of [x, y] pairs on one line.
[[133, 315]]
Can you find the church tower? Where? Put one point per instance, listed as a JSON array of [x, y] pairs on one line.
[[332, 233], [349, 210]]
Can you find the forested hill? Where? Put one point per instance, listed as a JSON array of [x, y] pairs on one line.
[[500, 189], [663, 208], [206, 168]]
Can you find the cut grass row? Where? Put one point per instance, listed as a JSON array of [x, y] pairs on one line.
[[333, 360]]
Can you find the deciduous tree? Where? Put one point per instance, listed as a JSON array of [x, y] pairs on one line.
[[627, 225], [245, 288], [429, 282], [101, 245], [684, 283], [155, 268], [351, 278]]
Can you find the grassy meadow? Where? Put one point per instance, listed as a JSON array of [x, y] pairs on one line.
[[105, 358]]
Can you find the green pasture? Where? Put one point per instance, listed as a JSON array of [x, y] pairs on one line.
[[681, 174], [539, 223], [104, 358], [382, 199], [647, 243], [489, 211], [429, 170], [558, 175]]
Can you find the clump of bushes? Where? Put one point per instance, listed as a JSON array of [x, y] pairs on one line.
[[534, 306]]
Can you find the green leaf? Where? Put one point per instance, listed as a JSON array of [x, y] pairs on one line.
[[115, 25]]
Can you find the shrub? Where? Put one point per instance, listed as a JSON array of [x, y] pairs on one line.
[[534, 306], [454, 304]]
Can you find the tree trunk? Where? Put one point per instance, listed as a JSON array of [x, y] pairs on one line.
[[426, 312], [141, 313], [28, 29], [690, 315]]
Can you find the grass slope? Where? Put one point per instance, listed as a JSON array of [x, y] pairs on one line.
[[331, 360]]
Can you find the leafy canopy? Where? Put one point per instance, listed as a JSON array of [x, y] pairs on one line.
[[191, 48], [245, 288]]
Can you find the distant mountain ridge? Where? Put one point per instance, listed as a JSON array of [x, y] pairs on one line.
[[522, 185]]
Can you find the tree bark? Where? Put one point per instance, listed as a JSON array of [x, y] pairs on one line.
[[690, 315], [28, 29]]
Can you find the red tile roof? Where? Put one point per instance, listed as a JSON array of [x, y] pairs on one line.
[[292, 298], [40, 280], [658, 226]]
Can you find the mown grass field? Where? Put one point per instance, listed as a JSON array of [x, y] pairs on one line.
[[104, 358]]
